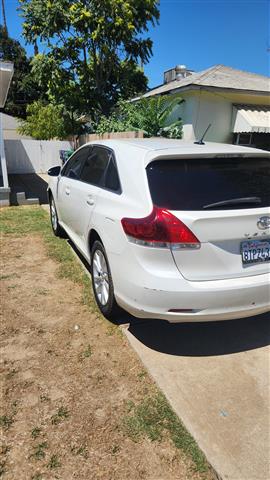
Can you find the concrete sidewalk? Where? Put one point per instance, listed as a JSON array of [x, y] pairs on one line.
[[216, 377]]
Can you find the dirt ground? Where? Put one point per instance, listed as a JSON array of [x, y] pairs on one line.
[[68, 377]]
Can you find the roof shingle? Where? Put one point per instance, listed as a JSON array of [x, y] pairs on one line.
[[218, 76]]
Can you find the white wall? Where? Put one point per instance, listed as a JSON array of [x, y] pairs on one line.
[[201, 108], [185, 111], [214, 109], [10, 127], [29, 156]]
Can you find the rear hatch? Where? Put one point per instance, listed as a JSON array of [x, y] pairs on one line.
[[225, 203]]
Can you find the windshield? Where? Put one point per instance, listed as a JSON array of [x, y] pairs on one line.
[[221, 183]]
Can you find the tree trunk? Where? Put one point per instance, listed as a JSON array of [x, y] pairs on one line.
[[35, 47]]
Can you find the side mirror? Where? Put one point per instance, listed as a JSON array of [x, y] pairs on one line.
[[54, 171]]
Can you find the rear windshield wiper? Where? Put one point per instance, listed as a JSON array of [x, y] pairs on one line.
[[235, 201]]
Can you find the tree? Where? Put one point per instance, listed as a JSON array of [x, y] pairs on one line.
[[151, 115], [23, 89], [92, 47], [45, 122]]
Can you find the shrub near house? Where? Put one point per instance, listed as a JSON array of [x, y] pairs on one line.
[[150, 115]]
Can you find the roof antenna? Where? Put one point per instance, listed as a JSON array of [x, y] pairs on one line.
[[201, 142]]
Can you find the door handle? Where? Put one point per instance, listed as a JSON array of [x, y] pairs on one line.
[[90, 201], [67, 190]]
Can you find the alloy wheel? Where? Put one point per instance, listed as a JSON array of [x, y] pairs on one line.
[[100, 277], [53, 216]]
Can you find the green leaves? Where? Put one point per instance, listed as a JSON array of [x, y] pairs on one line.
[[96, 44], [23, 88], [44, 122], [152, 115]]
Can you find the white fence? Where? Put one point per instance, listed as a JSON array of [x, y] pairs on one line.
[[33, 156]]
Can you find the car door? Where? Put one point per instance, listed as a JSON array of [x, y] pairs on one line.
[[66, 199], [85, 192]]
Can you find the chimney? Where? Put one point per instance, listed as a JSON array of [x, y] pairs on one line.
[[177, 73]]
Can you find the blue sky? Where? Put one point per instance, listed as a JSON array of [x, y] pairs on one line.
[[199, 34]]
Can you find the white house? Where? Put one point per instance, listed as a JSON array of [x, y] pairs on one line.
[[10, 127], [6, 73], [234, 102]]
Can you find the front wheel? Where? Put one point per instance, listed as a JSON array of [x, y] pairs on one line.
[[57, 230], [102, 282]]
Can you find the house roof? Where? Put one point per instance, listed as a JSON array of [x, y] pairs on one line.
[[218, 76], [6, 73]]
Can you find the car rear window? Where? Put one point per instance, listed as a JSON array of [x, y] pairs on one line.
[[196, 184]]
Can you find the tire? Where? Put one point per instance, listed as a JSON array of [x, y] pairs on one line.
[[56, 228], [102, 282]]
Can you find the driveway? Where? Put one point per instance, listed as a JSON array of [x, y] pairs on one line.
[[32, 184], [216, 377]]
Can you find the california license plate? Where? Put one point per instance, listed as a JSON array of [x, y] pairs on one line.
[[255, 251]]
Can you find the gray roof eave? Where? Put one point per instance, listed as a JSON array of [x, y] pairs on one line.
[[194, 86]]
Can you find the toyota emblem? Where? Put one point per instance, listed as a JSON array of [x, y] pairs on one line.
[[263, 223]]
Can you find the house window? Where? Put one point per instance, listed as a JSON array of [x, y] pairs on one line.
[[243, 139]]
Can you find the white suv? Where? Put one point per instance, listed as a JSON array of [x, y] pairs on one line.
[[172, 230]]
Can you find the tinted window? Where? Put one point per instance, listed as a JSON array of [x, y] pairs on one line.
[[95, 166], [112, 179], [194, 184], [73, 167]]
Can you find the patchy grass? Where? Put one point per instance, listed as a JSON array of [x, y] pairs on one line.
[[114, 330], [36, 432], [142, 374], [61, 415], [41, 291], [87, 352], [81, 450], [37, 476], [54, 462], [11, 374], [2, 467], [44, 398], [4, 449], [39, 451], [6, 421], [115, 449], [8, 276], [154, 418], [20, 221]]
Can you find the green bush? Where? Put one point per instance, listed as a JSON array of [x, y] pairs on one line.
[[150, 115], [45, 122]]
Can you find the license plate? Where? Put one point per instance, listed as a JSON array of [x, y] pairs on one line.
[[255, 251]]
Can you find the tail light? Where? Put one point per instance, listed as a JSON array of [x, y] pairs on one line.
[[160, 229]]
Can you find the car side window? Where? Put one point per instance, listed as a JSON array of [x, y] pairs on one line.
[[73, 167], [95, 166], [112, 181]]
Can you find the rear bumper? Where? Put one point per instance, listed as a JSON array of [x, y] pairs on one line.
[[208, 301]]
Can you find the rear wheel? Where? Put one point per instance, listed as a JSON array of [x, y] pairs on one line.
[[102, 282], [57, 230]]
